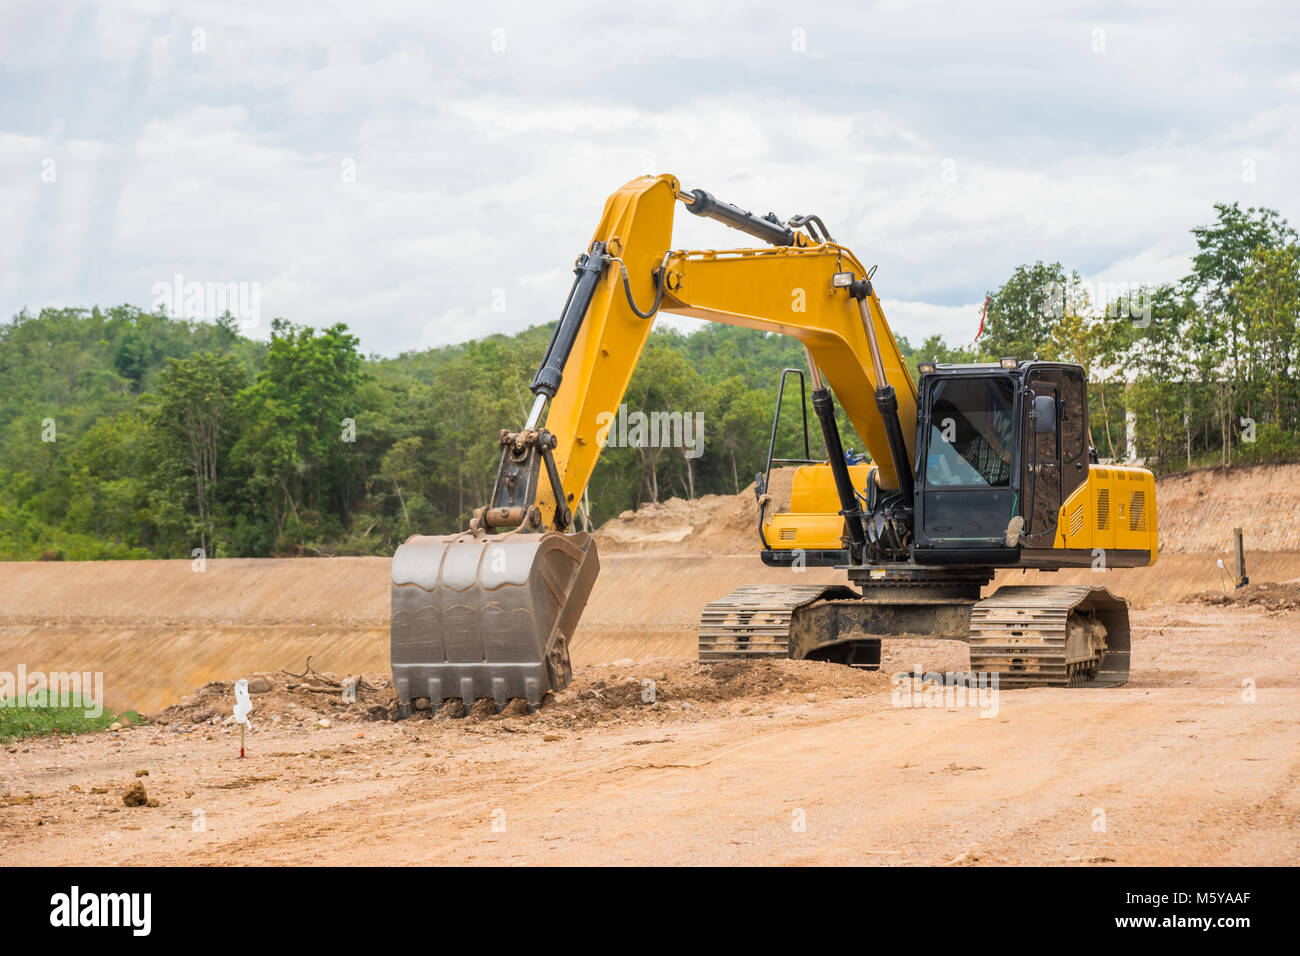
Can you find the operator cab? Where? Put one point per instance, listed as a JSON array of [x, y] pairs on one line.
[[996, 442]]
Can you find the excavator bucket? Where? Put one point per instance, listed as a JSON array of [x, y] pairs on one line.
[[479, 615]]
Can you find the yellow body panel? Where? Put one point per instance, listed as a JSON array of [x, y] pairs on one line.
[[811, 532], [1114, 509], [812, 488], [813, 522]]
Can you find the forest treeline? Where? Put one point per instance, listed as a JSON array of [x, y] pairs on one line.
[[127, 434]]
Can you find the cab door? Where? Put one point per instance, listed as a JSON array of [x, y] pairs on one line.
[[1041, 480]]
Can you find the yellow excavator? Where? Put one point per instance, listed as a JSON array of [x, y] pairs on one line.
[[974, 468]]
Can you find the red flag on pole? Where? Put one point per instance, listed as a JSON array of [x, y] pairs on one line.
[[983, 312]]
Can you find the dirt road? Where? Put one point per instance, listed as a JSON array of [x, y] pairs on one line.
[[790, 762]]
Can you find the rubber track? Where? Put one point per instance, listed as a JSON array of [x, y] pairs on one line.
[[1020, 632]]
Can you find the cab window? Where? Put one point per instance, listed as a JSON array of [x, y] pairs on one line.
[[970, 433]]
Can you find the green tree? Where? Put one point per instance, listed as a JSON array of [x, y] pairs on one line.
[[1225, 250], [1268, 297], [301, 415], [738, 422], [194, 418], [664, 382], [1025, 310]]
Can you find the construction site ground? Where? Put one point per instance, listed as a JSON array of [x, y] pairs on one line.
[[647, 758]]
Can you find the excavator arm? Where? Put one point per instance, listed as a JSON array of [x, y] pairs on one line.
[[790, 289]]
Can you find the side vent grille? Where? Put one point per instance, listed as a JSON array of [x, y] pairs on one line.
[[1103, 509], [1137, 512], [1076, 521], [788, 534]]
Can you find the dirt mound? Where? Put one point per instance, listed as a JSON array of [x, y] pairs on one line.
[[1266, 594], [655, 690], [1198, 510], [628, 684], [713, 524], [671, 522], [287, 700], [626, 690]]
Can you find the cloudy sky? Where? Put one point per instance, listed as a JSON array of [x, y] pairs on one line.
[[392, 166]]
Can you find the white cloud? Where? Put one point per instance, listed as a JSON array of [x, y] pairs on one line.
[[958, 324], [478, 171]]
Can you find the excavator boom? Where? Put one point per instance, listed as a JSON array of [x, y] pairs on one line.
[[787, 289]]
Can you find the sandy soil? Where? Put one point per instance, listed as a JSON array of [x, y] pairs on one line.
[[790, 762], [1195, 761], [157, 629], [1198, 511]]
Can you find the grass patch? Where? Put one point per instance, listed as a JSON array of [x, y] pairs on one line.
[[33, 716]]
